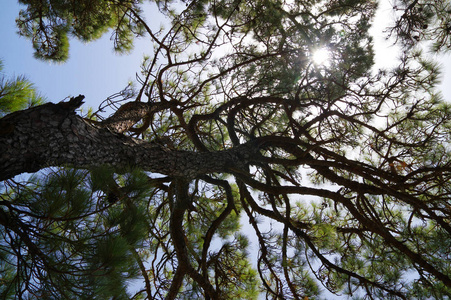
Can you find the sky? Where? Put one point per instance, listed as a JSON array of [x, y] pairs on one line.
[[94, 70], [386, 54]]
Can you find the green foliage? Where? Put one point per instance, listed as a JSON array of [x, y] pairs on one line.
[[75, 244], [114, 265], [50, 24], [236, 278], [17, 94], [341, 172]]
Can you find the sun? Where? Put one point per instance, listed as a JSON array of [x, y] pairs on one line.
[[321, 57]]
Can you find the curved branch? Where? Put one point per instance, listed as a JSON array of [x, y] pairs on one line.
[[181, 204]]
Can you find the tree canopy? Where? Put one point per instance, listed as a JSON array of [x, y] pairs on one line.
[[339, 173]]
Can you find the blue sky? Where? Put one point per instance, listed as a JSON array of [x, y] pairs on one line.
[[93, 69]]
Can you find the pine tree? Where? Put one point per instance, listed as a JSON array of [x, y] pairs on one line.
[[342, 170]]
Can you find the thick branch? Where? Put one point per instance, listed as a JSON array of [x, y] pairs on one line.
[[181, 204], [52, 135]]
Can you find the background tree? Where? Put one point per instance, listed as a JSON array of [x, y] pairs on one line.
[[349, 164]]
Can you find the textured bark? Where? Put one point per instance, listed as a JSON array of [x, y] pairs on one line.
[[131, 113], [53, 135]]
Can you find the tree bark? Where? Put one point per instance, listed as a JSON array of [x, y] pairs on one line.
[[53, 135]]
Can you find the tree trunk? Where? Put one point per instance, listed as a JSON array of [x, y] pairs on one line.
[[53, 135]]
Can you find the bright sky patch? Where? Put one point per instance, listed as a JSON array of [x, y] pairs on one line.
[[321, 57]]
